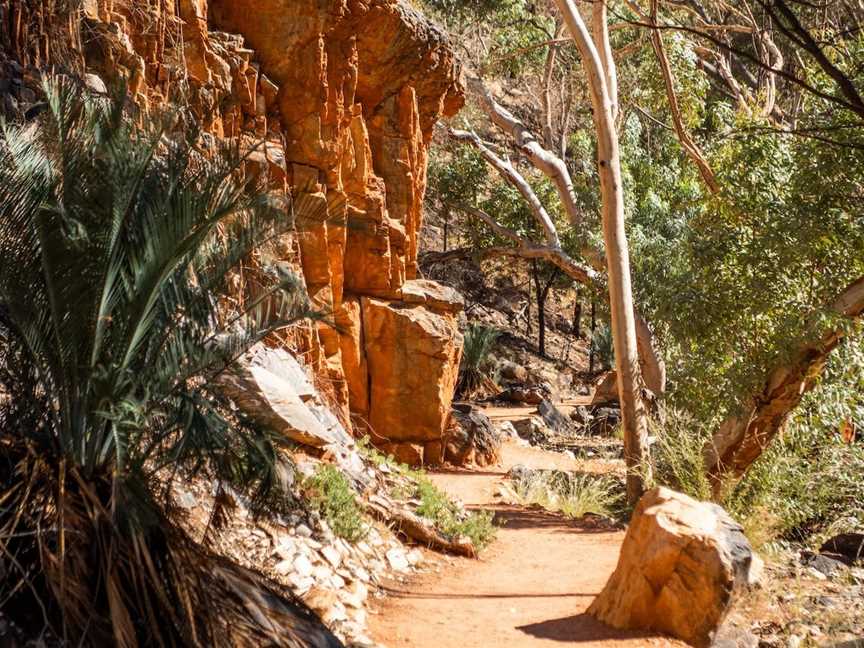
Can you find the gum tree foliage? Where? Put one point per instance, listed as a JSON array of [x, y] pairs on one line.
[[733, 281]]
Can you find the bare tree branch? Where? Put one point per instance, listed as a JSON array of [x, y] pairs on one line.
[[517, 180]]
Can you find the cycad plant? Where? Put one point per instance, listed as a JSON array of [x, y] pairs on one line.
[[479, 342], [116, 242]]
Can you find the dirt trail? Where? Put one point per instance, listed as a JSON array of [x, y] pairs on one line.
[[531, 587]]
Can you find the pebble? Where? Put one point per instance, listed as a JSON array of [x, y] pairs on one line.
[[321, 573], [302, 566], [286, 549], [301, 584], [332, 555], [415, 557], [398, 560], [284, 567]]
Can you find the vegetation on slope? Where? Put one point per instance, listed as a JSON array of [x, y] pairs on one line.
[[116, 242]]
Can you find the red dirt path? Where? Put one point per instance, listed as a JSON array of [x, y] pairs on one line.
[[531, 587]]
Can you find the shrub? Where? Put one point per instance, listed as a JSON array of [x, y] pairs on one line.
[[601, 345], [331, 495], [116, 243], [450, 519], [479, 341]]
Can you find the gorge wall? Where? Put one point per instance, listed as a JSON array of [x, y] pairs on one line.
[[342, 96]]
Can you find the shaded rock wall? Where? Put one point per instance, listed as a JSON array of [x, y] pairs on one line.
[[345, 94]]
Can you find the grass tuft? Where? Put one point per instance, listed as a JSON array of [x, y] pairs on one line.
[[450, 519], [572, 494]]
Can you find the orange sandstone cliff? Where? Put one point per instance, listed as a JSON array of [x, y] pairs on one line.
[[344, 95]]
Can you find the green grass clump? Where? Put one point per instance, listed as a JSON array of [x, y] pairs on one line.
[[434, 504], [677, 454], [574, 495], [450, 520], [330, 493]]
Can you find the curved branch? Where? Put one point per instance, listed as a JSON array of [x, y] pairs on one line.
[[547, 162], [740, 440], [690, 147], [517, 180]]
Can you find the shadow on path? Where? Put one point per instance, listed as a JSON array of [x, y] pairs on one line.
[[577, 628], [514, 517]]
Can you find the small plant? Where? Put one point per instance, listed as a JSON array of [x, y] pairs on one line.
[[573, 494], [602, 347], [479, 341], [450, 519], [331, 495]]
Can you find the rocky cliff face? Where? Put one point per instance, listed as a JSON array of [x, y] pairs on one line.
[[344, 95]]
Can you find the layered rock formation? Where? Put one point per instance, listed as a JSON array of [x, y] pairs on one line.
[[337, 99], [362, 83]]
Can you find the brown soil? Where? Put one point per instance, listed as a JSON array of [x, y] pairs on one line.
[[531, 587]]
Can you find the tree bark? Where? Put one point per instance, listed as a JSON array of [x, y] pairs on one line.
[[577, 318], [740, 440], [593, 330], [634, 420]]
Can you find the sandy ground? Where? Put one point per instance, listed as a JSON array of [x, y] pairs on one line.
[[531, 587]]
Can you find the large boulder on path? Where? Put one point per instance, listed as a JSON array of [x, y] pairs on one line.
[[682, 564], [472, 439], [553, 418]]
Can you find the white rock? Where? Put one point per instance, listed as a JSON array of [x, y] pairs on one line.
[[186, 499], [507, 430], [302, 566], [756, 573], [351, 600], [285, 549], [303, 531], [301, 584], [415, 557], [335, 613], [815, 573], [332, 555], [337, 582], [361, 574], [284, 567], [322, 573], [398, 560], [359, 615]]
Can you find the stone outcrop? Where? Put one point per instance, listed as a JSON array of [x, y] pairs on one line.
[[271, 388], [362, 83], [336, 101], [682, 564], [471, 438]]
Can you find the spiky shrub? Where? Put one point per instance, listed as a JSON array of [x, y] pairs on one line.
[[479, 342], [602, 347], [115, 243]]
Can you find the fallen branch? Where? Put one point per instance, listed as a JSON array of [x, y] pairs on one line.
[[413, 527]]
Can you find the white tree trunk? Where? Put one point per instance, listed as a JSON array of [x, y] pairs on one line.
[[633, 415]]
